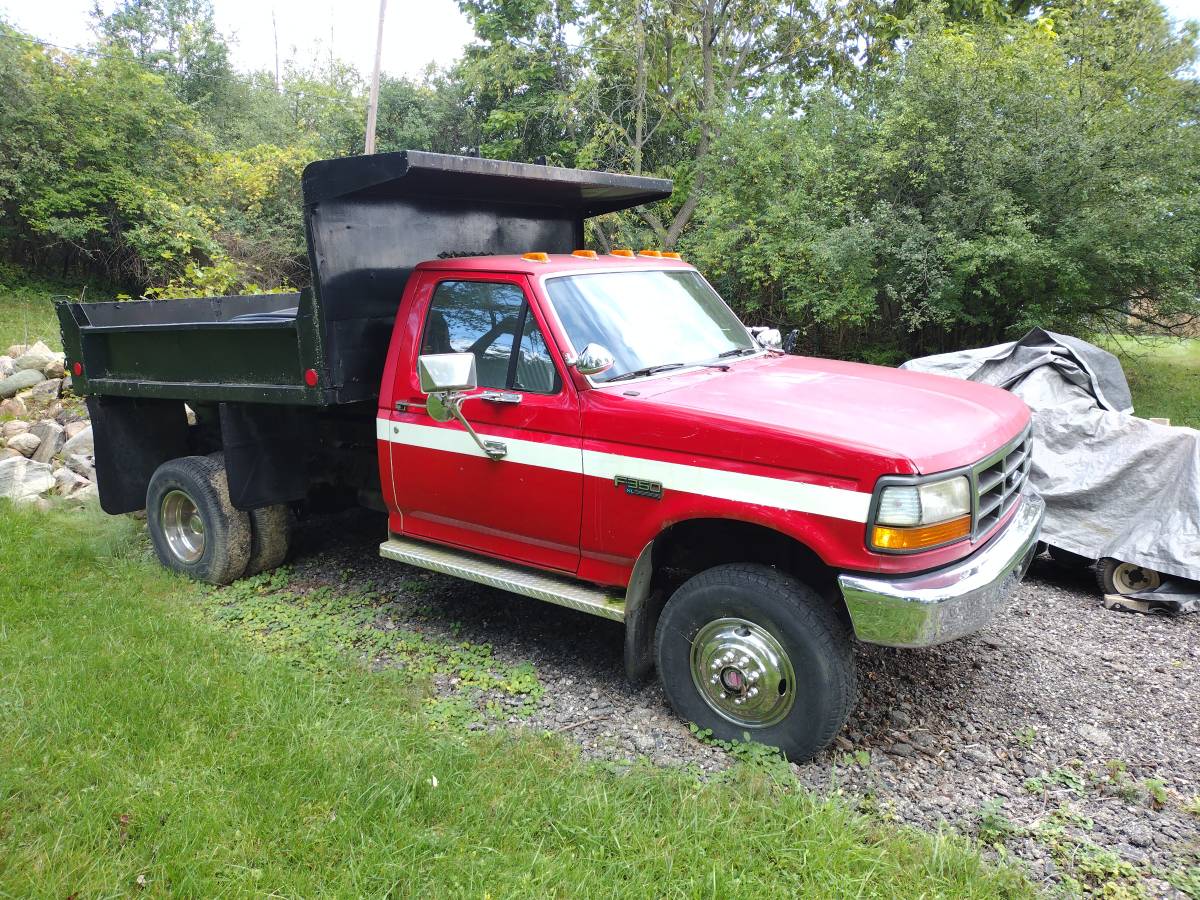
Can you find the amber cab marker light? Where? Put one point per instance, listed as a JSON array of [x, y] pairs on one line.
[[536, 257], [671, 254], [657, 254], [77, 368], [918, 537], [310, 377], [584, 254], [626, 253]]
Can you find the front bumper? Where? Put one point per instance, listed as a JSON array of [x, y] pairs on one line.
[[948, 603]]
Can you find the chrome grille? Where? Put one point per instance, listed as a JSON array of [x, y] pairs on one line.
[[998, 480]]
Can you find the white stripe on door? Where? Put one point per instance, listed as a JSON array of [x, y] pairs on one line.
[[738, 487]]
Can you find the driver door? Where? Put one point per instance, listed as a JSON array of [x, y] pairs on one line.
[[526, 506]]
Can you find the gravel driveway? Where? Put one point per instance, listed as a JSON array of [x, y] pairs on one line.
[[1065, 732]]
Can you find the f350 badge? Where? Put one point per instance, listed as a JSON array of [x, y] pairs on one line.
[[636, 487]]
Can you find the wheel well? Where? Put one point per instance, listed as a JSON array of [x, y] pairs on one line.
[[688, 548]]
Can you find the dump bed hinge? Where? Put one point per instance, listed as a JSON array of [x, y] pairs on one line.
[[609, 604]]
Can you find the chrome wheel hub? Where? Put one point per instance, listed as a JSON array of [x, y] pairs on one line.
[[1129, 578], [743, 673], [182, 526]]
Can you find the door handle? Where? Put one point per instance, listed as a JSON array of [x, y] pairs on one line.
[[500, 397]]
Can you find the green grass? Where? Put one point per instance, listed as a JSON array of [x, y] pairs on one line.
[[147, 747], [1164, 376], [27, 308]]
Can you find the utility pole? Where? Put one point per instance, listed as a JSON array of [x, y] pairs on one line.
[[275, 28], [373, 103]]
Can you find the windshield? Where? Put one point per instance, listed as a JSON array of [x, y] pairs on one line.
[[647, 319]]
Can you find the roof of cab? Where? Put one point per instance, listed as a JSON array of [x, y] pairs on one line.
[[557, 263]]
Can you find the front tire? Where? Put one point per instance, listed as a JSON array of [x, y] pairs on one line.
[[194, 526], [745, 649]]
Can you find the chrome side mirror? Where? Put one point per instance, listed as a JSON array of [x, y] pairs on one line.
[[447, 372], [594, 360], [768, 338], [444, 377]]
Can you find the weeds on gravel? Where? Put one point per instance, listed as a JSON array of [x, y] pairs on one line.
[[149, 750], [1187, 880], [994, 826], [319, 629], [757, 757]]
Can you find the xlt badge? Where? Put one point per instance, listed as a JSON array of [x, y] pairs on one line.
[[636, 487]]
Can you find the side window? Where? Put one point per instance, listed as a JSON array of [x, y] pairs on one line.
[[485, 319]]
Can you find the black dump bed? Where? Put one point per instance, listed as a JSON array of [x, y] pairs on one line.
[[369, 220]]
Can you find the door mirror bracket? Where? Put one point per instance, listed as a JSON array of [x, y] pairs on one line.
[[445, 378]]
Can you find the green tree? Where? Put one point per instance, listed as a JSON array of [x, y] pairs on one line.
[[985, 180], [178, 38]]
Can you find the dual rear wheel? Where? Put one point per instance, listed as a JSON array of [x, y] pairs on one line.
[[197, 531]]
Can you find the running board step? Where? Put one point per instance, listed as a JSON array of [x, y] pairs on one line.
[[507, 576]]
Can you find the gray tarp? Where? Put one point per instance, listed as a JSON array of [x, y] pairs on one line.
[[1115, 485]]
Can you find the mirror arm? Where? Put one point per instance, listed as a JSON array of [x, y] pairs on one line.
[[494, 449]]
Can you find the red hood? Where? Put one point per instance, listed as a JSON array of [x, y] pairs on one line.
[[933, 422]]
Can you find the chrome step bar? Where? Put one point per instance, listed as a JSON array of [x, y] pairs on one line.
[[609, 604]]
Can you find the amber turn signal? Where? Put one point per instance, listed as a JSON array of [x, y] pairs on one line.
[[622, 253], [585, 254], [918, 537], [671, 254], [536, 257], [657, 254]]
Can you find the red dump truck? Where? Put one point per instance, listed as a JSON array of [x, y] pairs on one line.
[[596, 430]]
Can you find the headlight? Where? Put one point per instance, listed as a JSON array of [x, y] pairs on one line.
[[919, 516]]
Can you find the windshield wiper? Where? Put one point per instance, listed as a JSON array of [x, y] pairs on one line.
[[736, 351], [649, 370]]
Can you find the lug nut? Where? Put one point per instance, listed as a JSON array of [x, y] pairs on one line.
[[722, 695], [753, 692], [715, 679]]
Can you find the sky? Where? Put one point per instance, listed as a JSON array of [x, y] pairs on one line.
[[415, 33]]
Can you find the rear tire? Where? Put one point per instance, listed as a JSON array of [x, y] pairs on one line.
[[1116, 577], [270, 538], [744, 649], [195, 528]]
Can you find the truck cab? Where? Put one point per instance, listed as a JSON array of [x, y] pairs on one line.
[[596, 430]]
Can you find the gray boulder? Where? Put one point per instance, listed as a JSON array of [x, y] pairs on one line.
[[48, 389], [10, 453], [81, 443], [67, 482], [81, 465], [14, 407], [20, 381], [26, 442], [15, 350], [56, 369], [86, 494], [12, 428], [73, 428], [7, 367], [22, 480], [36, 357], [52, 439]]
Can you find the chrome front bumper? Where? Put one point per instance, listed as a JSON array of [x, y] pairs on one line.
[[927, 609]]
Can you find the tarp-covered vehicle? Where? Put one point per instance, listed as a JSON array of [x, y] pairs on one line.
[[1119, 490]]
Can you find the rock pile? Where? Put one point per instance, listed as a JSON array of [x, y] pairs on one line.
[[45, 439]]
